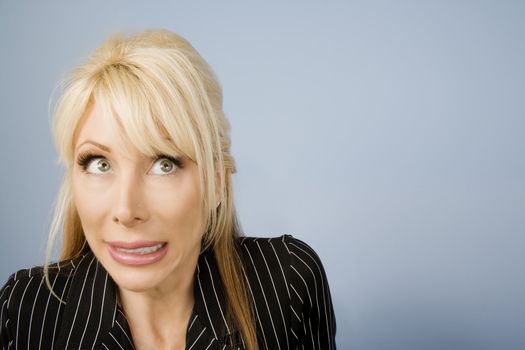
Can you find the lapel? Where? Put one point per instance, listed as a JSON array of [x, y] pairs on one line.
[[92, 317], [211, 309]]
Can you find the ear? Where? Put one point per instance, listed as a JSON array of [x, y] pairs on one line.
[[218, 187]]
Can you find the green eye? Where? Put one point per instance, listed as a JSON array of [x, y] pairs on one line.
[[164, 166], [103, 165], [93, 163], [96, 165]]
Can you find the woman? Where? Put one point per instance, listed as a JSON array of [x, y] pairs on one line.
[[152, 256]]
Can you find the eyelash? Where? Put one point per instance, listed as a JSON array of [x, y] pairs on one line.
[[85, 158]]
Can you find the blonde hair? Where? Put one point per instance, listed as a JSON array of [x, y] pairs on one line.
[[158, 86]]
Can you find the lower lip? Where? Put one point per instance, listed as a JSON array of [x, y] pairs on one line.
[[137, 259]]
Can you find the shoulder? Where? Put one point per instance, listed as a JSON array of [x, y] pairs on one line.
[[287, 278], [282, 245], [25, 283], [26, 300], [285, 250], [299, 258]]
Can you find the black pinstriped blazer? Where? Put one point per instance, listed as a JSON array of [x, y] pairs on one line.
[[286, 281]]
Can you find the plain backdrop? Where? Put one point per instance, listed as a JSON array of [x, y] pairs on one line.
[[389, 135]]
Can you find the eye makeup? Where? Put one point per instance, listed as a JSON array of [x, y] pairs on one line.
[[85, 158], [176, 160]]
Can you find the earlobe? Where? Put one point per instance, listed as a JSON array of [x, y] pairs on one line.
[[218, 187]]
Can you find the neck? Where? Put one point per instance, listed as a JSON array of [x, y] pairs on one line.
[[158, 318]]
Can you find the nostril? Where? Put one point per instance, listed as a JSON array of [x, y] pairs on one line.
[[127, 222]]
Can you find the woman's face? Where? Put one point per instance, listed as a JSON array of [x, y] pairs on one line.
[[142, 217]]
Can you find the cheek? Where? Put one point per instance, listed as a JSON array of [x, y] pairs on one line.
[[180, 208], [89, 205]]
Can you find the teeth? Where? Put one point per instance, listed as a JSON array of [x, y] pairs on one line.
[[141, 250]]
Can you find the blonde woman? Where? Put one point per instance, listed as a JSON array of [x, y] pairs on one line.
[[152, 256]]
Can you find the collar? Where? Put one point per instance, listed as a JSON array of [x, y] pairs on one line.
[[92, 316]]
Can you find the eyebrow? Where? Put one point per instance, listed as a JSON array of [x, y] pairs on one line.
[[99, 145]]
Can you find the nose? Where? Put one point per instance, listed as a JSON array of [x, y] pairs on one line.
[[130, 208]]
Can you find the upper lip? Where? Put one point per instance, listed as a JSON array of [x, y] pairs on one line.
[[135, 244]]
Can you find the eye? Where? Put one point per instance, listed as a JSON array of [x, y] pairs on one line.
[[94, 164], [165, 165]]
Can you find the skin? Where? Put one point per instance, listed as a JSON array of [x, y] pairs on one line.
[[134, 199]]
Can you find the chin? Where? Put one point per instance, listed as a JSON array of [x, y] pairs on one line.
[[135, 279], [135, 284]]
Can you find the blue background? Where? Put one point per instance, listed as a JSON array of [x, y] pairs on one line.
[[389, 135]]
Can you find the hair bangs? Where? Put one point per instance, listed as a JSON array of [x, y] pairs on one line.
[[138, 115]]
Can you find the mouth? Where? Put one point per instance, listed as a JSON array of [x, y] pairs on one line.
[[137, 253], [140, 250]]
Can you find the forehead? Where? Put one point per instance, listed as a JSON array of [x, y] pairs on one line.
[[97, 127], [135, 123], [93, 123]]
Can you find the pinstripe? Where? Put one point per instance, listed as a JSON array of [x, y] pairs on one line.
[[295, 335], [78, 303], [265, 299], [19, 310], [116, 341], [305, 284], [4, 290], [115, 309], [123, 332], [216, 297], [286, 284], [206, 307], [11, 294], [33, 308], [316, 293], [311, 333], [283, 241], [303, 323], [297, 293], [257, 313], [295, 313], [281, 268], [198, 337], [276, 296], [2, 313], [4, 317], [45, 310], [120, 313], [243, 344], [101, 311], [211, 344], [90, 307], [59, 306], [323, 287], [192, 322]]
